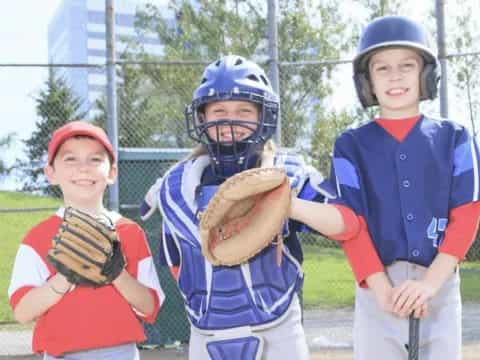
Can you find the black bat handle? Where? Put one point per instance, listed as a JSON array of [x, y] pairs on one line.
[[413, 337]]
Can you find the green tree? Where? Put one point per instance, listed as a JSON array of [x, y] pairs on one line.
[[202, 33], [378, 8], [325, 132], [466, 69], [308, 31], [136, 118], [5, 142], [205, 30], [55, 106]]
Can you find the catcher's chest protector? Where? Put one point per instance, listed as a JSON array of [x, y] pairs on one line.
[[260, 289]]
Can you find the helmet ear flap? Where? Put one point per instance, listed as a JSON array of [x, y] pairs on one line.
[[364, 90], [429, 79]]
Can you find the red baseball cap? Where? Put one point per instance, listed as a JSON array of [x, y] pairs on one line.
[[74, 128]]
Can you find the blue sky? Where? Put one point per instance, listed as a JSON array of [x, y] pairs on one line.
[[23, 35], [23, 39]]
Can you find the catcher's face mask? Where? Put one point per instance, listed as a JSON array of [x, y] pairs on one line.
[[232, 139]]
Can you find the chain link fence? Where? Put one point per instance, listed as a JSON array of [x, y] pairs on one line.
[[152, 137]]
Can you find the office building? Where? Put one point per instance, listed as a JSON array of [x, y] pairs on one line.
[[76, 35]]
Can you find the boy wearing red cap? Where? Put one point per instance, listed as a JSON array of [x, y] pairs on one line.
[[81, 322]]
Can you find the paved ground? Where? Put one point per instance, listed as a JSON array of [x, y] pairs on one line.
[[329, 336], [470, 352]]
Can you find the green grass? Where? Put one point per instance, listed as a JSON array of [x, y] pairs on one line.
[[14, 227], [328, 279], [470, 285]]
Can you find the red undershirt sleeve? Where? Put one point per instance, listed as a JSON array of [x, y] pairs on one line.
[[461, 230], [352, 224], [361, 255]]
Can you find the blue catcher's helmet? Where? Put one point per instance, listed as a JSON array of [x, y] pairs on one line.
[[233, 78], [394, 31]]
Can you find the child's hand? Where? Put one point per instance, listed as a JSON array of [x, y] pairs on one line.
[[412, 295], [384, 299], [382, 289]]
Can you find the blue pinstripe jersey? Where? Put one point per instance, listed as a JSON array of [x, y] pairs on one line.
[[405, 190]]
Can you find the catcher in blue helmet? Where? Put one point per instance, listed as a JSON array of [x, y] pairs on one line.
[[233, 143], [248, 310], [413, 180]]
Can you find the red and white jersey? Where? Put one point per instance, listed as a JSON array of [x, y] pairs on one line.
[[86, 317]]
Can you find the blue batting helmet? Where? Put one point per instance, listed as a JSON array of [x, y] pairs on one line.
[[394, 31], [233, 78]]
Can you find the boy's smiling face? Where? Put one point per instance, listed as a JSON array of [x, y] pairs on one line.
[[395, 79], [82, 169]]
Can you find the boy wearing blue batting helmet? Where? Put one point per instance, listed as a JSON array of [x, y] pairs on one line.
[[414, 181]]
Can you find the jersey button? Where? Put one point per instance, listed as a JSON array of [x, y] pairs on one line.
[[416, 253], [403, 156], [409, 216], [406, 183]]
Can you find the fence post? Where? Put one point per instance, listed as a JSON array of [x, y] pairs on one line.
[[112, 125], [273, 60], [440, 17]]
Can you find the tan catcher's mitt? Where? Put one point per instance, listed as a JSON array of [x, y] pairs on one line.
[[86, 250], [245, 215]]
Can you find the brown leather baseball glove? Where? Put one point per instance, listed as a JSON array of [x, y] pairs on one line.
[[245, 215], [86, 250]]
